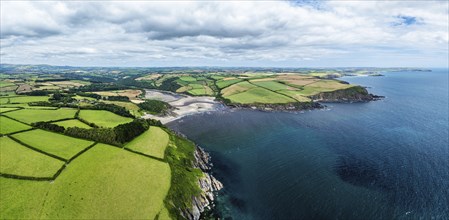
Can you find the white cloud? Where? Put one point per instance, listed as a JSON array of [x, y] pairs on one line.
[[223, 33]]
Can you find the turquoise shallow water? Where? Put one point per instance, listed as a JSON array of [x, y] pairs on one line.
[[387, 159]]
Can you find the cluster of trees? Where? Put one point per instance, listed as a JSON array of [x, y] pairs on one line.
[[99, 87], [38, 93], [119, 110], [90, 95], [131, 82], [155, 106], [52, 80], [116, 136], [49, 126], [62, 98], [170, 85], [53, 104], [117, 98]]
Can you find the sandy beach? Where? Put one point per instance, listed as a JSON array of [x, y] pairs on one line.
[[183, 104]]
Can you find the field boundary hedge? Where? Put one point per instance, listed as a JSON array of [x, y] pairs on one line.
[[145, 155], [15, 120], [52, 178], [35, 149]]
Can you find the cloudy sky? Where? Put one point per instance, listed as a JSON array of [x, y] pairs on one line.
[[225, 33]]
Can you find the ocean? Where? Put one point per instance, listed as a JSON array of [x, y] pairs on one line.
[[386, 159]]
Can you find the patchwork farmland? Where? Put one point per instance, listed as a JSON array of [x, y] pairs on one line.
[[47, 172]]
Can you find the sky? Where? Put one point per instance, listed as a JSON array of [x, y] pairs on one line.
[[305, 33]]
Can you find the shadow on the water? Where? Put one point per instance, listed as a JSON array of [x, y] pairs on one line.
[[363, 173], [400, 184]]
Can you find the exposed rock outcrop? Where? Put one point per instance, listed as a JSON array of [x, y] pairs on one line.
[[208, 184]]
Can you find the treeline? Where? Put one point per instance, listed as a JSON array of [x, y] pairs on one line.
[[170, 84], [119, 110], [132, 82], [155, 106], [116, 136], [98, 87]]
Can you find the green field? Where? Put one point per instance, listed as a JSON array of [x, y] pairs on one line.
[[6, 83], [103, 183], [22, 199], [10, 126], [35, 115], [20, 160], [72, 123], [296, 94], [271, 85], [153, 142], [259, 95], [5, 109], [224, 83], [23, 99], [53, 143], [109, 183], [187, 78], [103, 118], [131, 107]]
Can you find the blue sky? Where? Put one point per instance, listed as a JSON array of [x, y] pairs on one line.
[[217, 33]]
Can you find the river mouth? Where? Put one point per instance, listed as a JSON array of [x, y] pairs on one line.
[[182, 104]]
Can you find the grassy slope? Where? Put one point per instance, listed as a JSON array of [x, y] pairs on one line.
[[224, 83], [184, 182], [72, 123], [259, 95], [9, 126], [109, 183], [19, 160], [153, 142], [35, 115], [53, 143], [103, 118]]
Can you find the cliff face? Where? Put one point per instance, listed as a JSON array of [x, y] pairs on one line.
[[353, 94], [208, 185]]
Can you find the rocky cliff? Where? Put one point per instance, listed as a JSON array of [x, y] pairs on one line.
[[208, 185], [352, 94]]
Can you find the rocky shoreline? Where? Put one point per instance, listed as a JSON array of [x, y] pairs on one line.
[[350, 95], [208, 184]]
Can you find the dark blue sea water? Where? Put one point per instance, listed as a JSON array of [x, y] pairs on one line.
[[387, 159]]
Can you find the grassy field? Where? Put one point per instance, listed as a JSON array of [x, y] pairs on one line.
[[259, 95], [35, 115], [72, 123], [20, 160], [237, 88], [103, 118], [53, 143], [109, 183], [131, 107], [224, 83], [22, 199], [23, 99], [6, 83], [5, 109], [296, 94], [271, 85], [153, 142], [8, 125]]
